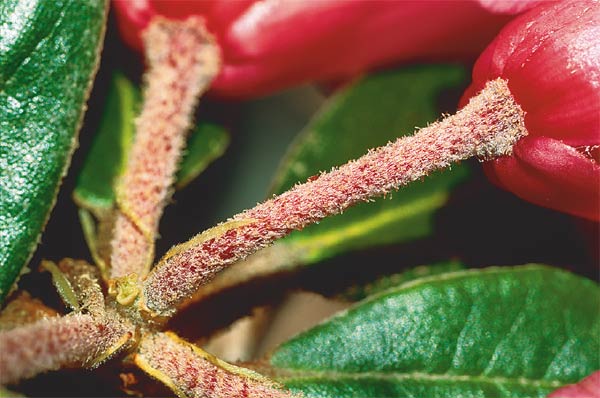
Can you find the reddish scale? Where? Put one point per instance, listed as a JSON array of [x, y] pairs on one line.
[[212, 379], [193, 375], [550, 57]]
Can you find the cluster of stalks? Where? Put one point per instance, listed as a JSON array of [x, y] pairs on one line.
[[182, 61]]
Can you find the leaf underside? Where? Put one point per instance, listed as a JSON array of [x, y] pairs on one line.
[[49, 53], [497, 332]]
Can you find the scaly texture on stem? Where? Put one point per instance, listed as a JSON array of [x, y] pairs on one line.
[[182, 60], [487, 127], [193, 373], [55, 342]]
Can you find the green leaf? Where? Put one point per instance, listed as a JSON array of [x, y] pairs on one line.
[[62, 284], [368, 114], [108, 155], [496, 332], [49, 53]]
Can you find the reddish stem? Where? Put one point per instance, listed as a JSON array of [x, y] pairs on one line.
[[191, 372], [182, 62], [52, 343], [487, 127]]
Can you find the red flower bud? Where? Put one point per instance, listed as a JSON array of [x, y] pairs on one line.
[[550, 57], [586, 388], [272, 44]]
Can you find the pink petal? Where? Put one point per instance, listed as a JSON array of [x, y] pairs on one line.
[[552, 174], [586, 388]]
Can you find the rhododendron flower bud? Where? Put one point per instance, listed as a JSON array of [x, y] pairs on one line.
[[550, 57], [271, 44]]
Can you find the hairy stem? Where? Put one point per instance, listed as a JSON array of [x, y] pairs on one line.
[[487, 127], [191, 372], [182, 60], [50, 344]]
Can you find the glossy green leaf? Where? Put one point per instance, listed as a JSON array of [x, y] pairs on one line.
[[49, 52], [497, 332], [108, 154]]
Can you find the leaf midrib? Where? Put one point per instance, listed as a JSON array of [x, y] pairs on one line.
[[291, 374]]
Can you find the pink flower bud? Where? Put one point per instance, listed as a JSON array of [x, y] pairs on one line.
[[269, 45], [550, 57]]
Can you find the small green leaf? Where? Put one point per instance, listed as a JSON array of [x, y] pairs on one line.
[[107, 157], [497, 332], [62, 284], [357, 293], [49, 53]]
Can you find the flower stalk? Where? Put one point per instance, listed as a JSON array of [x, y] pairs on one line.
[[182, 60], [193, 373], [487, 127], [50, 344]]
